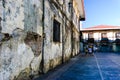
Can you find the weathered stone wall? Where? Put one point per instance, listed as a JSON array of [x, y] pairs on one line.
[[12, 15], [76, 27], [52, 50], [76, 42], [26, 37], [33, 11], [68, 31], [26, 15], [67, 42], [19, 54], [57, 52], [20, 39]]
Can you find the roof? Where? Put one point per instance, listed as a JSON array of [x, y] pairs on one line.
[[101, 27]]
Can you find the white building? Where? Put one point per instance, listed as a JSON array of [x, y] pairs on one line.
[[101, 31]]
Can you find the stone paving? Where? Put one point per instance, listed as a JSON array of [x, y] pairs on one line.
[[101, 66]]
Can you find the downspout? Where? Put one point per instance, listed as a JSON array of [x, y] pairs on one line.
[[43, 17], [63, 35], [79, 35], [72, 29]]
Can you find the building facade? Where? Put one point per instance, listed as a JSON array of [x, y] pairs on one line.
[[37, 35], [102, 31]]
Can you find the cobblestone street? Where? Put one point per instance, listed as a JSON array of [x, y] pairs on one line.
[[101, 66]]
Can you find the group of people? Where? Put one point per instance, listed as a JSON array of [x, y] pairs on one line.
[[89, 46], [89, 49]]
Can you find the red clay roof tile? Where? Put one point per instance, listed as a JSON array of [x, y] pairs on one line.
[[101, 27]]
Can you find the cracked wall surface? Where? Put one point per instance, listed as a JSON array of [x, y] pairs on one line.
[[12, 15], [27, 47], [16, 55], [20, 38], [52, 50]]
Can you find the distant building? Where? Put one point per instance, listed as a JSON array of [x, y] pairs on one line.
[[101, 31]]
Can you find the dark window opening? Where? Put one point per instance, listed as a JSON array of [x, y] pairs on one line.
[[81, 37], [90, 40], [118, 35], [103, 35], [69, 7], [90, 35], [104, 42], [56, 31]]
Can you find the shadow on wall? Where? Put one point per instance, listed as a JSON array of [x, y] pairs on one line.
[[0, 24], [116, 45], [104, 45]]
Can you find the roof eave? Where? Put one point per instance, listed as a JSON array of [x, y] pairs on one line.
[[98, 29], [82, 14], [82, 18]]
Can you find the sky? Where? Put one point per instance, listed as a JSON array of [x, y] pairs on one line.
[[101, 12]]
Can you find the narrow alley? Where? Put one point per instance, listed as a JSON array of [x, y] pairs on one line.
[[101, 66]]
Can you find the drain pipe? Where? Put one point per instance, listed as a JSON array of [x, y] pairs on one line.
[[63, 45], [43, 17], [72, 28]]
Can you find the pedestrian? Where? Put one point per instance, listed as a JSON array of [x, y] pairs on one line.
[[90, 48], [86, 49]]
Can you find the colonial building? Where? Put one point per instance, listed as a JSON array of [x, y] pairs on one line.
[[101, 31], [37, 35]]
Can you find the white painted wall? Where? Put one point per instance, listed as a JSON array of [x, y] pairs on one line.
[[110, 35], [97, 35]]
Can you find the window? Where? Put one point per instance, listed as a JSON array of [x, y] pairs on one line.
[[103, 35], [69, 7], [56, 31], [90, 35], [90, 38], [118, 35]]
